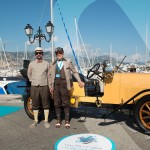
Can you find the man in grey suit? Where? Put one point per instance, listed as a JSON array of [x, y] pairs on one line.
[[61, 83]]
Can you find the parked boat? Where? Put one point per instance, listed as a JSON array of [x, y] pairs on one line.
[[12, 85]]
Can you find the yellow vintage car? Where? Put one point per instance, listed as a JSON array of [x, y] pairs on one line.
[[105, 87]]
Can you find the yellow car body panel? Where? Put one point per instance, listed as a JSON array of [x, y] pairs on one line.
[[118, 89], [133, 83]]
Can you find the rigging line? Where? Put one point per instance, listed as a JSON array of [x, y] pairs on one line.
[[79, 69], [83, 45], [42, 12], [3, 48]]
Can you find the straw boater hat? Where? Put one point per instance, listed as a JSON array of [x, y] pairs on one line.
[[38, 49]]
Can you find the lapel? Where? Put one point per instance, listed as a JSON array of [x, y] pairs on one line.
[[65, 64], [55, 63]]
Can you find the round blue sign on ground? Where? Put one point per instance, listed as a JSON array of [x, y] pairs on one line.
[[85, 141]]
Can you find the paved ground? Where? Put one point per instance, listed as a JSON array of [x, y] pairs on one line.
[[15, 133]]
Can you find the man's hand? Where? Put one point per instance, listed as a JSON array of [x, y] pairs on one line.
[[81, 84], [51, 90]]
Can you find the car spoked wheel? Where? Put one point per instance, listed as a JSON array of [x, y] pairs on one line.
[[28, 108], [29, 105], [142, 113]]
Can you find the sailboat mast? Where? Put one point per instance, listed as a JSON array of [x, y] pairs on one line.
[[136, 57], [17, 57], [52, 38], [110, 53], [77, 39], [147, 52], [89, 63], [25, 52], [1, 60], [3, 48]]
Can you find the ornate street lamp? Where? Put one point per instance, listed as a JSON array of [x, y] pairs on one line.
[[39, 36]]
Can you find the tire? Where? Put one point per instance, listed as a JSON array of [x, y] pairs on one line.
[[28, 108], [142, 113]]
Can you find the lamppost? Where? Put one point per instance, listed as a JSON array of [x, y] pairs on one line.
[[39, 36]]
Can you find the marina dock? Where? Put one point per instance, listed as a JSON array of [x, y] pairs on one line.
[[15, 133]]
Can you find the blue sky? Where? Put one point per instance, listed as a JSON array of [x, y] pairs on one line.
[[120, 24]]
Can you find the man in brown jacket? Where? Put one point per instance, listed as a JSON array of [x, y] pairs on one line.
[[60, 84]]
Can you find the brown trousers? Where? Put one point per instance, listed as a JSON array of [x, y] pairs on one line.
[[61, 98], [61, 94], [40, 96]]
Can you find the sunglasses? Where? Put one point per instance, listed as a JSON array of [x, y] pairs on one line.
[[59, 53], [40, 53]]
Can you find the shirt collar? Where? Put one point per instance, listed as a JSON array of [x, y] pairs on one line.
[[63, 59], [39, 61]]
